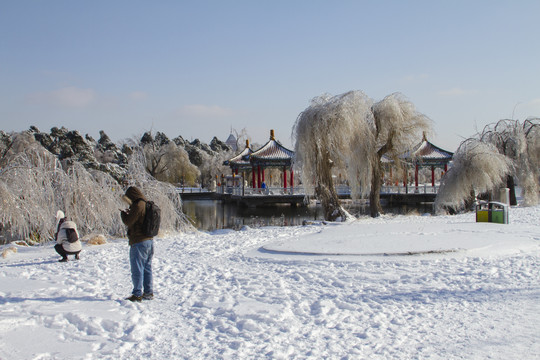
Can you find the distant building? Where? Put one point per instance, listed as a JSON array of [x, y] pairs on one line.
[[231, 141]]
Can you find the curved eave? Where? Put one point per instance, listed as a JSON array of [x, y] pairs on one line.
[[272, 154], [239, 160], [428, 154]]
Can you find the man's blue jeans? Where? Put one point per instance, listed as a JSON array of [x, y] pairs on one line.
[[140, 257]]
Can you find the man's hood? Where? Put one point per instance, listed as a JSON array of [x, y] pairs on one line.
[[133, 193]]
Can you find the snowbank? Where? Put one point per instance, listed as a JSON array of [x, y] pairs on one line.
[[411, 238], [307, 296]]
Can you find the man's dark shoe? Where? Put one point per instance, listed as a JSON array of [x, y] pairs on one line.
[[134, 298], [148, 296], [63, 260]]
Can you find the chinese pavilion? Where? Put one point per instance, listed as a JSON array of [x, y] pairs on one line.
[[270, 155], [426, 154], [238, 163]]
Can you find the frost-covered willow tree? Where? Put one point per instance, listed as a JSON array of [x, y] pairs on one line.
[[477, 168], [532, 131], [324, 134], [398, 126], [503, 151], [352, 132], [520, 144], [34, 185]]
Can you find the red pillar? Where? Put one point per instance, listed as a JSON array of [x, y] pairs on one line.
[[405, 178], [445, 167], [433, 176], [253, 176], [259, 177], [284, 177], [292, 178], [262, 174], [416, 175]]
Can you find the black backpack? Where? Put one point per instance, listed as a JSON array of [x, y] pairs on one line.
[[71, 235], [152, 219]]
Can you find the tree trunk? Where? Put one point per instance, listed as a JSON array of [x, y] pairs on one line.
[[330, 203], [375, 208], [326, 192], [512, 186]]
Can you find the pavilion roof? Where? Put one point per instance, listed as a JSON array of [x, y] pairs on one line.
[[272, 154], [239, 161], [428, 154]]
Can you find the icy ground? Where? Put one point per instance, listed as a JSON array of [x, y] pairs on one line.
[[472, 291]]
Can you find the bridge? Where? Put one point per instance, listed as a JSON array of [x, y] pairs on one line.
[[253, 197], [409, 194]]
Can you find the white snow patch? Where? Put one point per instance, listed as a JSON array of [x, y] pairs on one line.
[[316, 292]]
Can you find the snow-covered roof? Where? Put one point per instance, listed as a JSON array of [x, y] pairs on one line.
[[239, 161], [429, 154], [272, 154]]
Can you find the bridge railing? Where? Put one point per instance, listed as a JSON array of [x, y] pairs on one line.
[[341, 190], [410, 189], [187, 189], [244, 191]]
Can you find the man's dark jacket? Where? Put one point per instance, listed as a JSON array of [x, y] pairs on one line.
[[134, 217]]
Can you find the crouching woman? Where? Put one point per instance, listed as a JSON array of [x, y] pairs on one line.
[[67, 238]]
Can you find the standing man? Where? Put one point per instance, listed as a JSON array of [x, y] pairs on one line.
[[141, 246]]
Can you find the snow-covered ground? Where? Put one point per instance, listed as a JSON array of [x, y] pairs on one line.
[[337, 291]]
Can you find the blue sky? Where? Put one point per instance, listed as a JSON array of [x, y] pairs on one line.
[[197, 68]]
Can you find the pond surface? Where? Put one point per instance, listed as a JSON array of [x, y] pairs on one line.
[[210, 215]]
